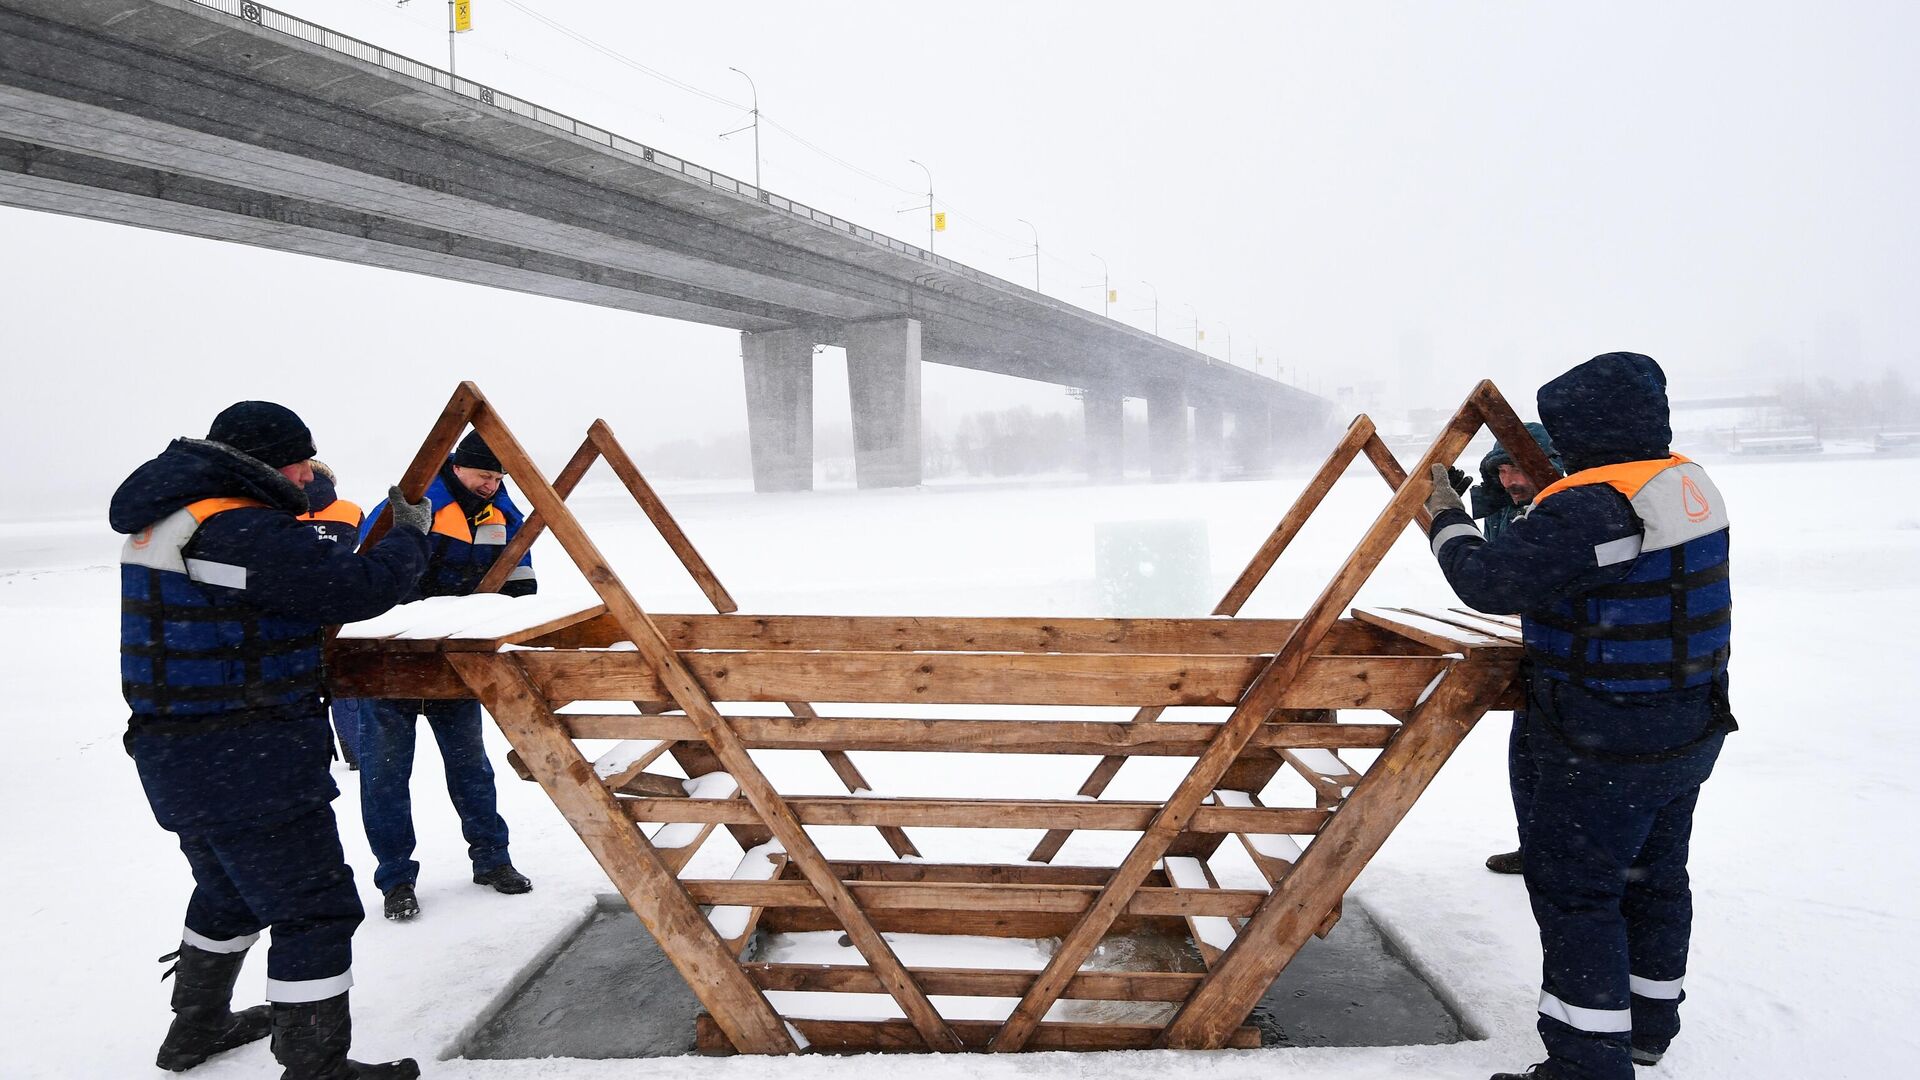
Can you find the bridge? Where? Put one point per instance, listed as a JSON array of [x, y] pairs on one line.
[[229, 120]]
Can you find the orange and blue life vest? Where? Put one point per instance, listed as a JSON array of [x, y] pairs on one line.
[[464, 544], [339, 520], [1666, 625], [193, 643]]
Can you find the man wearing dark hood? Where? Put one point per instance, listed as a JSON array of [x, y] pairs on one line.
[[338, 520], [225, 595], [1620, 575]]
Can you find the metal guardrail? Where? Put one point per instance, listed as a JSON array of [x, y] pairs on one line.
[[271, 19]]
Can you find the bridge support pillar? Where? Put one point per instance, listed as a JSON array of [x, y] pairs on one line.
[[883, 378], [1167, 433], [1253, 440], [1209, 439], [1106, 438], [779, 369]]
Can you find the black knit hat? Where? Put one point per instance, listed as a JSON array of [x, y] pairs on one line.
[[474, 453], [263, 430]]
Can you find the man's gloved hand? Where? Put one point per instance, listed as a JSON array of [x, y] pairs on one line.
[[1443, 497], [408, 515], [1461, 481]]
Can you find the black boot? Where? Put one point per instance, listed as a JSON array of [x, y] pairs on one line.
[[203, 1021], [1507, 862], [504, 879], [400, 904], [310, 1041], [1542, 1071]]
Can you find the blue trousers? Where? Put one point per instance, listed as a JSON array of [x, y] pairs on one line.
[[1521, 776], [1606, 868], [346, 724], [386, 774], [291, 876], [249, 805]]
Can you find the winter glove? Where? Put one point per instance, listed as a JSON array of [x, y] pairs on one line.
[[1460, 480], [1443, 497], [406, 515]]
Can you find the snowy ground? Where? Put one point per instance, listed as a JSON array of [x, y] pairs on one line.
[[1804, 867]]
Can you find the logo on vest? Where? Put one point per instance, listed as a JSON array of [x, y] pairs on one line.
[[142, 538], [1694, 501]]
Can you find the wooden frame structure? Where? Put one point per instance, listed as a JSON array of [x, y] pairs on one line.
[[1433, 675]]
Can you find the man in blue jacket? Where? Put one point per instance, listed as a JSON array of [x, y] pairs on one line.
[[224, 598], [338, 520], [472, 520], [1620, 574]]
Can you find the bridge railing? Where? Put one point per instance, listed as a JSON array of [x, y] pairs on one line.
[[315, 34]]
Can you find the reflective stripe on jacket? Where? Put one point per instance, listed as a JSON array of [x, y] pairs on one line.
[[1667, 624], [191, 642]]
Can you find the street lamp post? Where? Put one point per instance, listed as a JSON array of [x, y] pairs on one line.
[[1106, 287], [1035, 256], [1196, 326], [755, 90], [929, 173], [1156, 307]]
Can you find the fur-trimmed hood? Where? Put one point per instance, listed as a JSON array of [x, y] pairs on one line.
[[189, 470]]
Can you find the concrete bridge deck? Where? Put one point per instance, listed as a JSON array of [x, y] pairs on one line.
[[228, 120]]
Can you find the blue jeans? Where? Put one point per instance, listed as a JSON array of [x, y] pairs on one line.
[[386, 772], [346, 724]]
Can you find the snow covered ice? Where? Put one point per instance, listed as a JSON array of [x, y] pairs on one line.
[[1807, 927]]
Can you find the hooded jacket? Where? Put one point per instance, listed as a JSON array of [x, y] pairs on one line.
[[224, 591], [331, 516], [1619, 571], [1492, 506]]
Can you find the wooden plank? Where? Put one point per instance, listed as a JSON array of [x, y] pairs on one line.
[[1500, 626], [689, 943], [629, 473], [1106, 769], [1296, 516], [978, 982], [1440, 636], [954, 896], [1389, 469], [1201, 636], [686, 690], [1325, 682], [883, 1036], [620, 762], [978, 873], [978, 814], [1267, 693], [440, 440], [470, 639], [534, 524], [851, 777], [903, 734], [1301, 900], [1513, 435]]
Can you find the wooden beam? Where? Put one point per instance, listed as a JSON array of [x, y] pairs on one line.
[[1267, 693], [1324, 682], [952, 896], [902, 734], [852, 779], [534, 524], [440, 440], [685, 937], [1302, 899], [1202, 636], [622, 464], [978, 814], [882, 1036], [1296, 516], [686, 691], [1513, 435], [978, 982]]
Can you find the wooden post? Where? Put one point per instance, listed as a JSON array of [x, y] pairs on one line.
[[1261, 698], [687, 692], [656, 896], [433, 452], [602, 437], [1301, 900], [530, 529], [1506, 426]]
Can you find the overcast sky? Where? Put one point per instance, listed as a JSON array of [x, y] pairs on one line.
[[1411, 196]]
